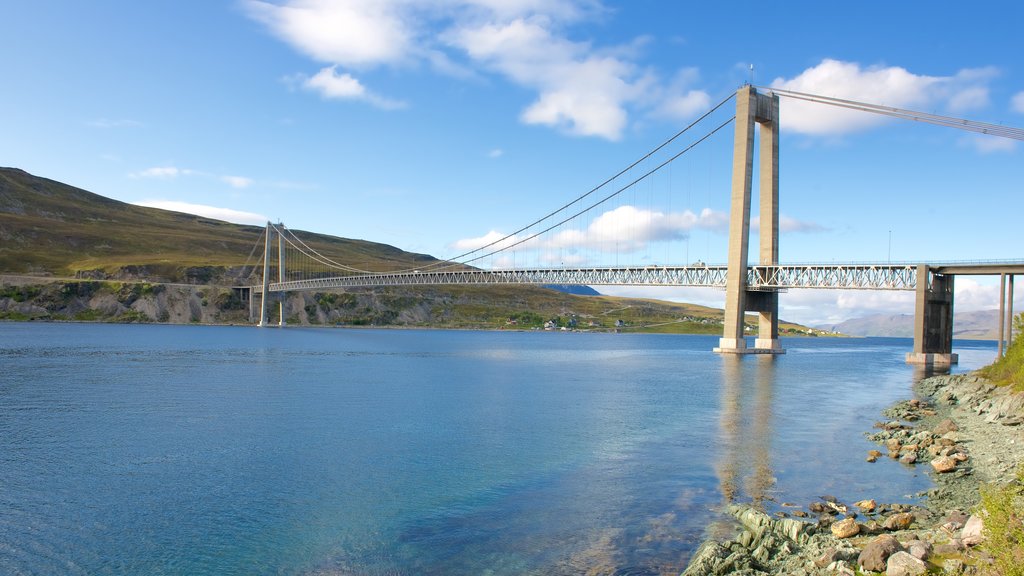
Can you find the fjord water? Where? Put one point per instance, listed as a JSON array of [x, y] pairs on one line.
[[149, 449]]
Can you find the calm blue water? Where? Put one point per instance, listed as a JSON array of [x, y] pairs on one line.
[[235, 450]]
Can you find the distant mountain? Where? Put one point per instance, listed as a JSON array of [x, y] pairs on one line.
[[577, 290], [978, 325]]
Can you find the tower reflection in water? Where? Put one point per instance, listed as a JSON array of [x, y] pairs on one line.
[[745, 429]]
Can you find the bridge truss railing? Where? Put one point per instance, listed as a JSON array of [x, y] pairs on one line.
[[769, 278]]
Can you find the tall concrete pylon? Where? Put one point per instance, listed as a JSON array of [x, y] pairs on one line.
[[753, 108]]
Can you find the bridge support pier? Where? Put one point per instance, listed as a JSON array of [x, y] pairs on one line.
[[933, 320], [753, 108]]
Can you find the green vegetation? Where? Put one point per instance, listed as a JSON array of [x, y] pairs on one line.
[[1003, 510], [1009, 370]]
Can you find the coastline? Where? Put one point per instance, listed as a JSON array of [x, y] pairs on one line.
[[959, 423]]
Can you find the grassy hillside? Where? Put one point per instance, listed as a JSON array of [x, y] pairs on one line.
[[50, 227]]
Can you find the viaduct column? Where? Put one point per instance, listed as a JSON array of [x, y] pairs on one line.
[[933, 320], [760, 109]]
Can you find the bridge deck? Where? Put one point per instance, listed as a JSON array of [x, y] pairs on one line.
[[768, 278]]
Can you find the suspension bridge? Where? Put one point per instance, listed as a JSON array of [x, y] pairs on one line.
[[610, 219]]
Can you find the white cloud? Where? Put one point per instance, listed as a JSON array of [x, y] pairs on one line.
[[624, 229], [888, 86], [236, 216], [1017, 102], [496, 153], [581, 90], [467, 244], [332, 85], [355, 33]]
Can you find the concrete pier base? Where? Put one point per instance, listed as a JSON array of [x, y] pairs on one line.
[[761, 346], [769, 345], [932, 359]]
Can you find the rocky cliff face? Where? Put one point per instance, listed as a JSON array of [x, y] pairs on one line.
[[111, 301], [121, 302]]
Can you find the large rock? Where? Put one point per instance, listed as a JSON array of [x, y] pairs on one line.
[[877, 552], [919, 549], [866, 505], [944, 464], [972, 534], [903, 564], [945, 426], [900, 521], [845, 528]]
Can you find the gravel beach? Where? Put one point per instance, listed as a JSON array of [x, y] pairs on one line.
[[963, 430]]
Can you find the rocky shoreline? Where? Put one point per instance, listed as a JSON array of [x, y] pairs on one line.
[[964, 430]]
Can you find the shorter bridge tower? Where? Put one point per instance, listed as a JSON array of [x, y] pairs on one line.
[[265, 294], [753, 108]]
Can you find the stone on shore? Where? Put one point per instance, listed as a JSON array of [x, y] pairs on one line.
[[900, 521], [945, 426], [845, 528], [877, 552], [943, 464], [866, 505], [903, 564], [972, 533], [919, 549]]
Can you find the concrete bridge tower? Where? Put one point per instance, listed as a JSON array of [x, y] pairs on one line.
[[753, 108]]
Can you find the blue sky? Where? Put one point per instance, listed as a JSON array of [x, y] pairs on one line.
[[432, 124]]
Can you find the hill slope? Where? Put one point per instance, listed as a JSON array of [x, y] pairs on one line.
[[53, 228]]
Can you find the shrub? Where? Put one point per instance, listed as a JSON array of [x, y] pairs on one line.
[[1009, 370], [1003, 511]]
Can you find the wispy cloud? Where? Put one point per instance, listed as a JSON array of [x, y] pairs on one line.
[[113, 123], [171, 172], [162, 172], [988, 144], [496, 153], [237, 181], [215, 212], [790, 224], [891, 86], [1017, 102]]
